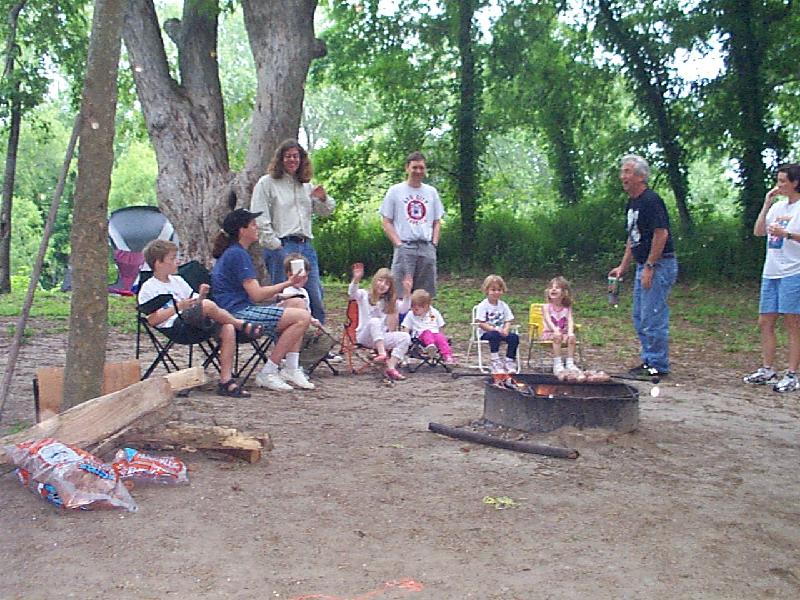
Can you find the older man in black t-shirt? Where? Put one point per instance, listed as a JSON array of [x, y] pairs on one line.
[[649, 244]]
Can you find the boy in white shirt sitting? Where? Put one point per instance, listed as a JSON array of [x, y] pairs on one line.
[[187, 317]]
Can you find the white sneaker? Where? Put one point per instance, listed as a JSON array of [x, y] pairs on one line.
[[272, 381], [558, 369], [761, 376], [431, 351], [297, 377], [498, 365], [511, 365], [789, 383]]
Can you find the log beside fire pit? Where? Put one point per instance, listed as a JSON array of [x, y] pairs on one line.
[[542, 403]]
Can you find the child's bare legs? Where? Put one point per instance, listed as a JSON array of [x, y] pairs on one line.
[[570, 340], [220, 315], [558, 364]]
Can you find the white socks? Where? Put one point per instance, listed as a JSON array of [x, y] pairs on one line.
[[270, 368], [292, 360]]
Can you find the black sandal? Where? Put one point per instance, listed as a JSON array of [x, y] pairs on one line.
[[251, 331], [232, 389]]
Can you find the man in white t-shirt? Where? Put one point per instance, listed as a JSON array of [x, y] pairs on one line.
[[412, 213]]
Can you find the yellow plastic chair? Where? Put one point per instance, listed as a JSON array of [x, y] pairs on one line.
[[545, 347], [476, 342]]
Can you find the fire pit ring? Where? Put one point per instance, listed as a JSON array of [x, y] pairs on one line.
[[542, 403]]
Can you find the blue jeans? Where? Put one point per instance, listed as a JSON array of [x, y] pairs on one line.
[[274, 261], [651, 313], [494, 338]]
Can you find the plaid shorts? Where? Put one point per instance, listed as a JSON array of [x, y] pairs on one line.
[[266, 316]]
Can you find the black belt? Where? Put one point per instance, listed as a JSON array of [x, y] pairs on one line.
[[297, 239]]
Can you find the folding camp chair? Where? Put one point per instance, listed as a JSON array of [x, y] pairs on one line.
[[476, 342], [195, 275], [417, 352], [358, 358], [129, 231], [544, 348], [318, 344]]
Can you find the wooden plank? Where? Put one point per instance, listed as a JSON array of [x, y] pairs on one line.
[[98, 418], [174, 436], [50, 384], [186, 378], [119, 375], [50, 390]]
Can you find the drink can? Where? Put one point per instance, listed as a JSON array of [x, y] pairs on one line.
[[613, 291]]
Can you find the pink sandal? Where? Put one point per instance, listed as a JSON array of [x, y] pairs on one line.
[[394, 374]]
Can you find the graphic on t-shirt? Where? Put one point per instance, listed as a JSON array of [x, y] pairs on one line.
[[774, 241], [416, 209], [633, 227], [495, 317]]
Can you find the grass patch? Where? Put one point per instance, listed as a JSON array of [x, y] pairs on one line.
[[18, 427], [704, 315]]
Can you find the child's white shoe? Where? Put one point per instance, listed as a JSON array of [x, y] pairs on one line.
[[498, 365]]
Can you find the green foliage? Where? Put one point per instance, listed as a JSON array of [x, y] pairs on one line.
[[133, 181], [51, 308]]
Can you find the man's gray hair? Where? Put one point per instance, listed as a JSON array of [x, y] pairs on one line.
[[640, 166]]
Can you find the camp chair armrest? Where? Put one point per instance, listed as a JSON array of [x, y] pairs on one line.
[[156, 303]]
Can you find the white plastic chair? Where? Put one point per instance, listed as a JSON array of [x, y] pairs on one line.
[[476, 341]]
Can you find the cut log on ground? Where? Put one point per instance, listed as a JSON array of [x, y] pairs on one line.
[[488, 440], [186, 379], [179, 436], [98, 418]]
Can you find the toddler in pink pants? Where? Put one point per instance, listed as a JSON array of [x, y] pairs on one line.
[[426, 323]]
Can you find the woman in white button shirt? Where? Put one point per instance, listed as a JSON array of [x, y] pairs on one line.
[[288, 201]]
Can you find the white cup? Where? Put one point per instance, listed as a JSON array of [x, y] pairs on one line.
[[298, 266]]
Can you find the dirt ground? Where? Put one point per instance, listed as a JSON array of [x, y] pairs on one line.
[[358, 500]]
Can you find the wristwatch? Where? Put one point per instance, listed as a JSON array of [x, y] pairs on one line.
[[650, 265], [789, 235]]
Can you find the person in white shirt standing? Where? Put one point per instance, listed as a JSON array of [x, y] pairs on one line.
[[287, 202], [779, 220], [412, 213]]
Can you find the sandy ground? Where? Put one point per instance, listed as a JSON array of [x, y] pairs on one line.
[[358, 500]]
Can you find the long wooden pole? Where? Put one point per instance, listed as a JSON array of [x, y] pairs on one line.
[[13, 351], [488, 440]]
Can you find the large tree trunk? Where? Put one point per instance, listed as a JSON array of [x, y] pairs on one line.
[[8, 193], [185, 119], [468, 109], [281, 34], [650, 80], [88, 322], [11, 151]]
